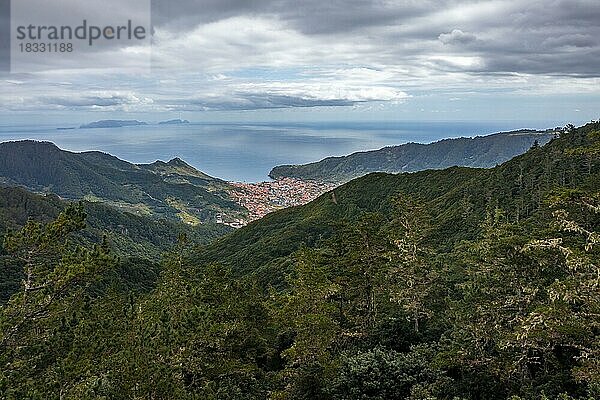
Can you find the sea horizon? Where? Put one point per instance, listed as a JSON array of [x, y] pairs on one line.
[[247, 151]]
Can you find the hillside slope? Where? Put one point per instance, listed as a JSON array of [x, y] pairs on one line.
[[479, 152], [131, 237], [457, 199], [128, 234], [173, 190]]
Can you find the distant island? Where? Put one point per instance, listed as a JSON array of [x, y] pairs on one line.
[[112, 123], [174, 122]]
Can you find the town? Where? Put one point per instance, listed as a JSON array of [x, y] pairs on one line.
[[263, 198]]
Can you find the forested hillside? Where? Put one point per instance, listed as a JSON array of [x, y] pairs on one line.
[[172, 190], [131, 237], [456, 198], [479, 152], [457, 284]]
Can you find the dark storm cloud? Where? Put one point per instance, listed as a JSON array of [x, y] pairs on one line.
[[340, 16], [187, 14], [570, 40], [582, 13], [308, 16], [583, 65], [534, 37], [540, 37]]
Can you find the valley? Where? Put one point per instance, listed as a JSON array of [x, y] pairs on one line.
[[453, 279]]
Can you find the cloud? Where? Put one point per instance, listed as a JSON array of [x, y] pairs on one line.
[[457, 37], [258, 101], [318, 92], [391, 35], [570, 40], [96, 100], [263, 54], [342, 88], [311, 17]]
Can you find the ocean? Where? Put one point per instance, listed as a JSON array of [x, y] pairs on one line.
[[246, 152]]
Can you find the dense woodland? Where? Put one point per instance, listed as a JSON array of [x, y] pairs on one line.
[[456, 284]]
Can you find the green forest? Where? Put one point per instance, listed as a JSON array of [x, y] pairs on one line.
[[454, 284]]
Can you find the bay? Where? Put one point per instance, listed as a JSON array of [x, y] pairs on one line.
[[246, 152]]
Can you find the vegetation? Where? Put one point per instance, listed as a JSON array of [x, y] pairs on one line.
[[452, 285], [140, 189], [479, 152], [137, 240]]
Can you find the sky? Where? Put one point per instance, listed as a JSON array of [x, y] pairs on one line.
[[311, 60]]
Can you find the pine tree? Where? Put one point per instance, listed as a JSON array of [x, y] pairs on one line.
[[37, 324]]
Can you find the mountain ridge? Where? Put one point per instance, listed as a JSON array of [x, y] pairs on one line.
[[479, 152], [174, 190]]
